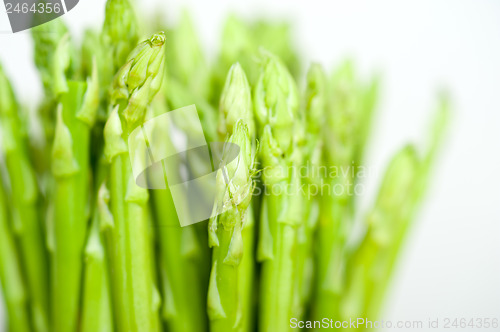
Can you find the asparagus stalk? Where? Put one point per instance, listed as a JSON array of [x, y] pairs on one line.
[[225, 296], [70, 193], [181, 258], [96, 305], [276, 108], [236, 300], [11, 277], [400, 195], [133, 288], [24, 192], [52, 68], [119, 37], [186, 61], [347, 123], [315, 103]]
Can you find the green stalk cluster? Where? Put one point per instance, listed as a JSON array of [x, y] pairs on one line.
[[26, 221], [84, 248]]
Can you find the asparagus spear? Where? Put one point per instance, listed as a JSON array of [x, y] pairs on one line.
[[186, 60], [119, 37], [133, 288], [276, 108], [52, 68], [225, 296], [315, 103], [11, 277], [96, 306], [234, 301], [70, 197], [347, 123], [182, 257], [24, 192], [400, 195]]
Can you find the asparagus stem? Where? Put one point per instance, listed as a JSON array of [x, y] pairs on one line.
[[226, 305], [276, 107], [400, 195], [11, 276], [24, 192], [315, 103], [350, 110], [118, 38], [187, 63], [370, 267], [70, 167], [96, 307], [231, 284], [133, 288], [182, 258]]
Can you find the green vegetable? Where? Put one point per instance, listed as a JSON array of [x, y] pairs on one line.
[[136, 83], [276, 109], [97, 313], [25, 215], [181, 258], [14, 290], [347, 124], [70, 197], [230, 304], [280, 242]]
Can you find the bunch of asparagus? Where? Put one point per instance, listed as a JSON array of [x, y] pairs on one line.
[[84, 248]]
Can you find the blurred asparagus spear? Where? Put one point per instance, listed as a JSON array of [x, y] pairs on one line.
[[119, 37], [14, 290], [182, 257], [24, 194], [276, 109], [372, 264], [136, 83], [186, 62], [314, 106], [347, 126]]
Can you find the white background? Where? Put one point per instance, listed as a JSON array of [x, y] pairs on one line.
[[451, 265]]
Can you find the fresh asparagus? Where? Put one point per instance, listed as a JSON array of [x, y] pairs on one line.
[[401, 192], [276, 109], [133, 287], [314, 105], [24, 195], [11, 276], [97, 315], [182, 257], [347, 124], [232, 232], [234, 188], [70, 196]]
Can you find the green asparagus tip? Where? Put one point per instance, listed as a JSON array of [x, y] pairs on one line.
[[140, 78], [235, 103], [276, 99], [316, 92]]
